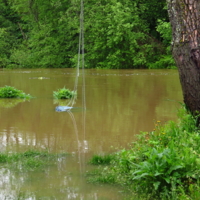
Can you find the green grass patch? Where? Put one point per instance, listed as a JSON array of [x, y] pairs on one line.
[[162, 164], [11, 92], [101, 160], [28, 160], [64, 93]]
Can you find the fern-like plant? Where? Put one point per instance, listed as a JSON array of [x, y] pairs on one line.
[[64, 93], [11, 92]]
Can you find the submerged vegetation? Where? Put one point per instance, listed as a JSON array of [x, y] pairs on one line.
[[28, 160], [64, 93], [11, 92], [162, 164], [101, 160]]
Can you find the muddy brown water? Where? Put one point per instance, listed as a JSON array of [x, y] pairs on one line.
[[119, 104]]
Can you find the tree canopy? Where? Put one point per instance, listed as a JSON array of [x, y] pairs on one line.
[[118, 33]]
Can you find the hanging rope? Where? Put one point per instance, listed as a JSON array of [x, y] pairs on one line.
[[83, 53], [80, 52], [83, 74], [80, 61]]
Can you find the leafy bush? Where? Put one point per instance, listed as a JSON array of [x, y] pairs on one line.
[[165, 62], [11, 92], [162, 164], [125, 35], [165, 30], [64, 93]]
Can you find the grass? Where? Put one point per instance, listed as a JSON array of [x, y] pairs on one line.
[[64, 93], [101, 160], [11, 92], [162, 164], [28, 160]]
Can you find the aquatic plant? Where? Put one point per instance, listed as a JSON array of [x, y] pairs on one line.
[[11, 92], [28, 160], [101, 159], [64, 93], [161, 164]]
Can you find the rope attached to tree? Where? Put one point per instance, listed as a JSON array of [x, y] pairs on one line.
[[80, 60]]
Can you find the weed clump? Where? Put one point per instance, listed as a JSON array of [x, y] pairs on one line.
[[64, 93], [28, 160], [162, 164], [101, 160], [11, 92]]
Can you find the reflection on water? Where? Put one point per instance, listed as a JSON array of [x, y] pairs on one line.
[[120, 104], [58, 182], [9, 103]]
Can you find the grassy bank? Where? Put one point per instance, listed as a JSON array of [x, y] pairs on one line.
[[162, 164]]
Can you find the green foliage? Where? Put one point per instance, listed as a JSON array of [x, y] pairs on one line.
[[64, 93], [97, 176], [165, 30], [118, 34], [50, 38], [162, 164], [11, 92], [165, 62], [3, 47], [29, 160], [119, 38], [101, 160], [10, 35]]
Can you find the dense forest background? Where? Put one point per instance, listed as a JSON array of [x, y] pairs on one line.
[[118, 34]]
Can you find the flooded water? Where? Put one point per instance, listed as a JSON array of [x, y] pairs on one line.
[[119, 104]]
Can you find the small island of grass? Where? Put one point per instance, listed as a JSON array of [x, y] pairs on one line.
[[30, 160], [11, 92], [64, 93]]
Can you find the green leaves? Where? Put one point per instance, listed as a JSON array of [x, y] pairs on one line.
[[29, 160], [64, 93], [10, 35], [118, 34], [11, 92], [162, 164], [158, 169], [115, 36], [101, 160]]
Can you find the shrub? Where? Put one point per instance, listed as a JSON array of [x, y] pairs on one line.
[[11, 92], [162, 164], [64, 93]]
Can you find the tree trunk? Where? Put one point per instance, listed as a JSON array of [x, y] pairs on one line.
[[184, 18]]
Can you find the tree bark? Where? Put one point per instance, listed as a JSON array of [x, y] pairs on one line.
[[184, 18]]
